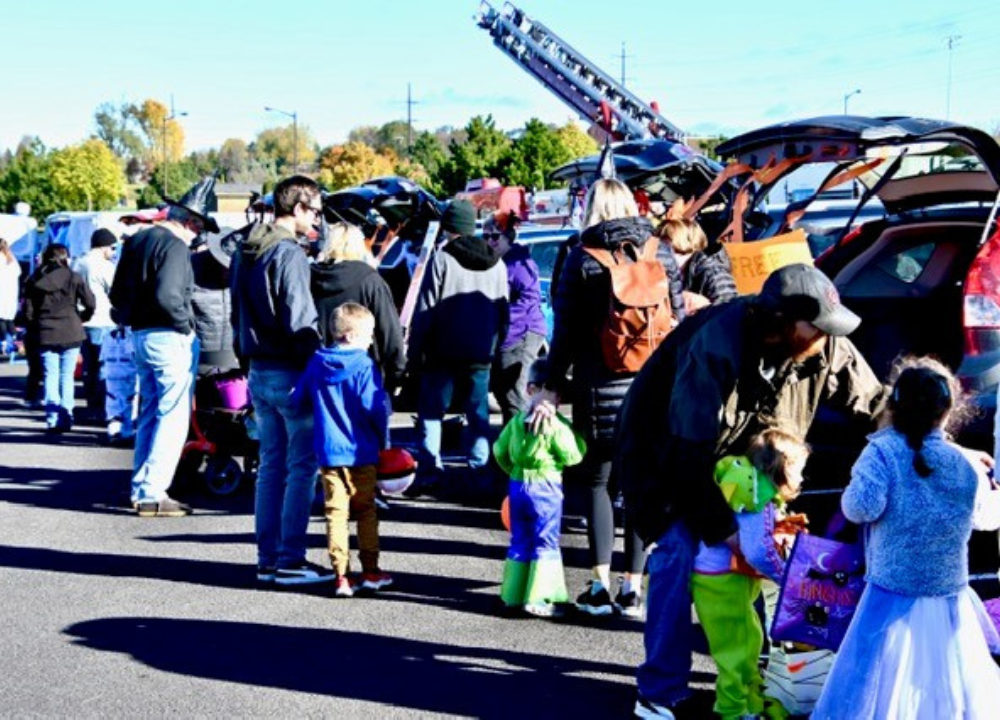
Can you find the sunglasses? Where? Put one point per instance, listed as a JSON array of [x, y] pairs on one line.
[[491, 236]]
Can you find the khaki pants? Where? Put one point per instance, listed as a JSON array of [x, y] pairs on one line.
[[351, 491]]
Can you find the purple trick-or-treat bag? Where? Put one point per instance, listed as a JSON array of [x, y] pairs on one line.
[[820, 591]]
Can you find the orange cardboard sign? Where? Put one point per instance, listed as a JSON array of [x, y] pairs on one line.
[[754, 261]]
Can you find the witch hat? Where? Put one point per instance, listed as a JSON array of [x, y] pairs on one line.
[[199, 201], [606, 163]]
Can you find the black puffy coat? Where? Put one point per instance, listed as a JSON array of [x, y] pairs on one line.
[[709, 273], [333, 284], [57, 303], [580, 306], [211, 302]]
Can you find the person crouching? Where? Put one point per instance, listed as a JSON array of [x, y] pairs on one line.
[[351, 412]]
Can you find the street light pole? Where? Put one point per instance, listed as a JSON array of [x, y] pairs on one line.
[[952, 41], [295, 134], [166, 156], [848, 96]]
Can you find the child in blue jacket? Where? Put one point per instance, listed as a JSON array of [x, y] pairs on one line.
[[351, 412]]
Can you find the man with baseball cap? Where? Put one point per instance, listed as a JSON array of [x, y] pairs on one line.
[[98, 271], [720, 378]]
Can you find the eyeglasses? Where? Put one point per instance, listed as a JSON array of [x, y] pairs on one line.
[[313, 209]]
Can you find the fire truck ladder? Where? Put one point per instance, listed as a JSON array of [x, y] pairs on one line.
[[577, 81]]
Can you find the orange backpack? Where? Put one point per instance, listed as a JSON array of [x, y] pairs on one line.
[[639, 313]]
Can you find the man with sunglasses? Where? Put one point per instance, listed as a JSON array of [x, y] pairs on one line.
[[275, 331]]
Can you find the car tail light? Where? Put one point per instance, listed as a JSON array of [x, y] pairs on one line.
[[982, 300]]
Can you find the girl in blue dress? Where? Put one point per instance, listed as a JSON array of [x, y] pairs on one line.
[[919, 645]]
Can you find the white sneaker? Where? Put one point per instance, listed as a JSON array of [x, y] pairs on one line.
[[646, 709]]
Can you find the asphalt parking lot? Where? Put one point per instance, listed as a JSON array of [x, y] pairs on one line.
[[106, 614]]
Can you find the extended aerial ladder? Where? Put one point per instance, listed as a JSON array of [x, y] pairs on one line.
[[577, 81]]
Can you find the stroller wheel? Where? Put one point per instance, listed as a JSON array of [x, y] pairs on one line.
[[223, 475]]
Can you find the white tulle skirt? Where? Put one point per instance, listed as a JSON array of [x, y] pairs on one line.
[[915, 658]]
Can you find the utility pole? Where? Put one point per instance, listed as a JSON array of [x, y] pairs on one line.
[[166, 155], [410, 102], [952, 41]]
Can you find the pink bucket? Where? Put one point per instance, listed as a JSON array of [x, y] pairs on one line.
[[234, 393]]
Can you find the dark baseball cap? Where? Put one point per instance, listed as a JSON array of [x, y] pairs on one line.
[[802, 292]]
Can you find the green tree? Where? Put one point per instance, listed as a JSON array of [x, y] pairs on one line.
[[351, 164], [429, 152], [234, 158], [162, 135], [481, 155], [277, 145], [26, 178], [181, 175], [117, 128], [707, 146], [534, 155], [577, 142], [87, 176]]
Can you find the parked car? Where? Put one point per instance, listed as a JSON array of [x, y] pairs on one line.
[[925, 277]]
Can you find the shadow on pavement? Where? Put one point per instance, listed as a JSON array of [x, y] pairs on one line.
[[469, 681]]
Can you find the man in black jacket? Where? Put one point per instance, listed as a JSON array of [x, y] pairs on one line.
[[721, 377], [152, 294]]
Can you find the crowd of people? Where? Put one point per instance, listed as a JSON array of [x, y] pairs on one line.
[[690, 401]]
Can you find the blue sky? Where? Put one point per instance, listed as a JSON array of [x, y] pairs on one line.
[[714, 67]]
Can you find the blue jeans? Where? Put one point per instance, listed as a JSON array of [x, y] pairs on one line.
[[436, 390], [58, 368], [286, 476], [93, 386], [164, 362], [668, 634]]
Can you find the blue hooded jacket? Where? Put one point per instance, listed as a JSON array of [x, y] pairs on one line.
[[350, 407]]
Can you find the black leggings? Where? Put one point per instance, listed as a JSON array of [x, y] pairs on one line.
[[596, 473]]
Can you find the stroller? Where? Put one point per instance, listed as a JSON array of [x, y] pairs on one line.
[[222, 430]]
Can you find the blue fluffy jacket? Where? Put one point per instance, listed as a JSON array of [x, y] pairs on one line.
[[350, 407], [918, 537]]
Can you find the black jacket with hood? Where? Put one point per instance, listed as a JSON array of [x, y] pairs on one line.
[[334, 284], [580, 306], [54, 296], [274, 317], [461, 314]]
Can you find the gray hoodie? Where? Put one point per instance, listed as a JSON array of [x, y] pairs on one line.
[[274, 318]]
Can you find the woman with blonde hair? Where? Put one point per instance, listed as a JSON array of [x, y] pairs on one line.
[[706, 272], [612, 223], [344, 272]]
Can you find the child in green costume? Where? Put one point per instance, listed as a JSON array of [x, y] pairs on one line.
[[726, 584], [533, 574]]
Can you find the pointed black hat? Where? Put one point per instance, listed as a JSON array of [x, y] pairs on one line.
[[199, 201]]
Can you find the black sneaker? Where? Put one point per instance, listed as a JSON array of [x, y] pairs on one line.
[[303, 573], [595, 600], [167, 507], [628, 604]]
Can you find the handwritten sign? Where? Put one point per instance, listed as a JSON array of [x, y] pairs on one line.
[[754, 261]]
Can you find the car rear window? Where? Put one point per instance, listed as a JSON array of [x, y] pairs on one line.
[[907, 264]]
